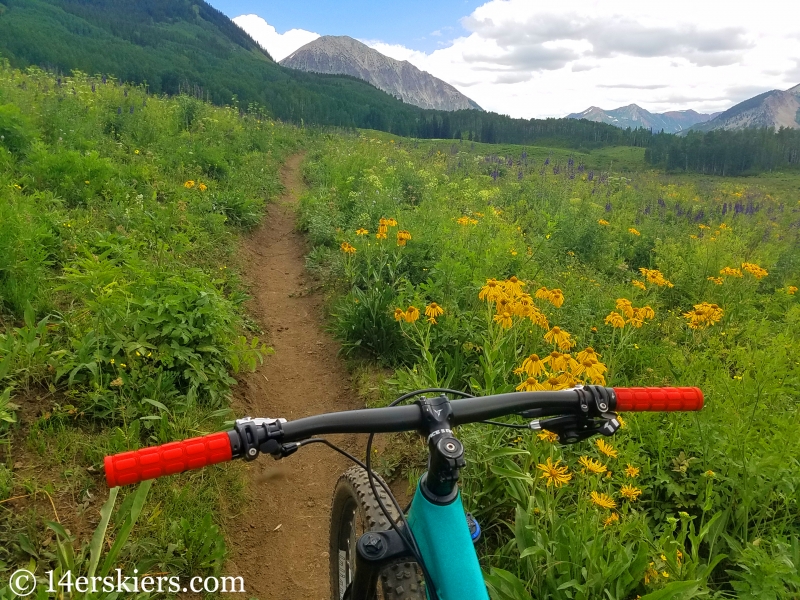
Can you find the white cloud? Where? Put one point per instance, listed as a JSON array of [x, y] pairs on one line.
[[279, 45], [536, 59]]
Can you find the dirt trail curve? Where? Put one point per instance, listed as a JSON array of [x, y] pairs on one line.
[[280, 543]]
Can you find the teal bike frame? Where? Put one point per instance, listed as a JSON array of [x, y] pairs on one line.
[[445, 543]]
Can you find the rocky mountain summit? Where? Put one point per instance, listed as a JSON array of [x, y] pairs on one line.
[[342, 55], [634, 116], [776, 109]]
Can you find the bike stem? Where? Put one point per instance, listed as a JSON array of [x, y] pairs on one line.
[[445, 453]]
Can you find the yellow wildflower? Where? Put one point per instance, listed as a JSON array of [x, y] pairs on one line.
[[630, 492], [603, 500], [791, 290], [432, 320], [633, 231], [631, 471], [391, 222], [533, 365], [553, 473], [402, 237], [655, 276], [615, 320], [716, 280], [399, 314], [202, 187], [347, 248], [613, 518], [587, 353], [381, 235], [513, 285], [624, 305], [547, 436], [412, 314], [603, 222], [362, 231], [730, 272], [704, 315], [710, 474], [433, 310], [531, 384], [755, 270], [491, 291], [592, 465], [136, 151], [606, 448], [189, 184], [558, 336], [504, 319], [639, 284]]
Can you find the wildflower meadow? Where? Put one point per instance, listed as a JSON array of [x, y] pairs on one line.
[[491, 269]]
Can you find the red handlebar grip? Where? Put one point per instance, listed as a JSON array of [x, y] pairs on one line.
[[149, 463], [658, 399]]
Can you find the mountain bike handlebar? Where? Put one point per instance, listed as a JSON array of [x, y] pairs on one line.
[[250, 435]]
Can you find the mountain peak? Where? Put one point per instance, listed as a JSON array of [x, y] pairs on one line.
[[634, 116], [343, 55]]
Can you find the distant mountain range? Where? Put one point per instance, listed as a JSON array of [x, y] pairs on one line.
[[774, 109], [634, 116], [342, 55]]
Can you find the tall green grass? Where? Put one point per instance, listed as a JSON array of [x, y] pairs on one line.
[[121, 307]]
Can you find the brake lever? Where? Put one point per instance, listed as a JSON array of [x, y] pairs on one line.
[[571, 429]]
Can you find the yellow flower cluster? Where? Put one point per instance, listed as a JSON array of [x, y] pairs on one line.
[[704, 315], [347, 248], [716, 280], [638, 284], [510, 301], [402, 237], [554, 296], [755, 270], [791, 290], [730, 272], [362, 231], [636, 316], [603, 222], [383, 229], [633, 231], [190, 184], [410, 315], [655, 276], [464, 221], [558, 371]]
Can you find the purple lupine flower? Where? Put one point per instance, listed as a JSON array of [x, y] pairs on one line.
[[556, 170], [495, 174], [125, 93], [104, 80], [572, 174], [546, 161], [661, 202], [647, 209], [131, 110], [119, 110], [699, 216], [608, 206], [591, 176], [724, 208], [519, 176], [571, 162], [581, 168], [58, 82], [93, 87]]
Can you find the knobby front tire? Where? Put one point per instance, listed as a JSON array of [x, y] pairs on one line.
[[355, 510]]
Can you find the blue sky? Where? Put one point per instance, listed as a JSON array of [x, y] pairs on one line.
[[407, 22]]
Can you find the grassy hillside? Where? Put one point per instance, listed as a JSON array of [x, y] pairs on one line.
[[663, 281], [175, 45], [121, 320]]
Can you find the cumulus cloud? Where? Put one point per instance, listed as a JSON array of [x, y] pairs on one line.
[[536, 59], [279, 45]]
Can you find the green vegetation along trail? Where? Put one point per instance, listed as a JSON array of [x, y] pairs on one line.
[[279, 543]]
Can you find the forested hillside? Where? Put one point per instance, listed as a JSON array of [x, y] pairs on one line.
[[175, 45], [723, 152]]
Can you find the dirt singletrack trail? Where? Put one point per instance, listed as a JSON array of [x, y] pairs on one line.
[[280, 542]]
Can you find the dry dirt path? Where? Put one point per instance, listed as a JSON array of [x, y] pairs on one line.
[[280, 543]]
